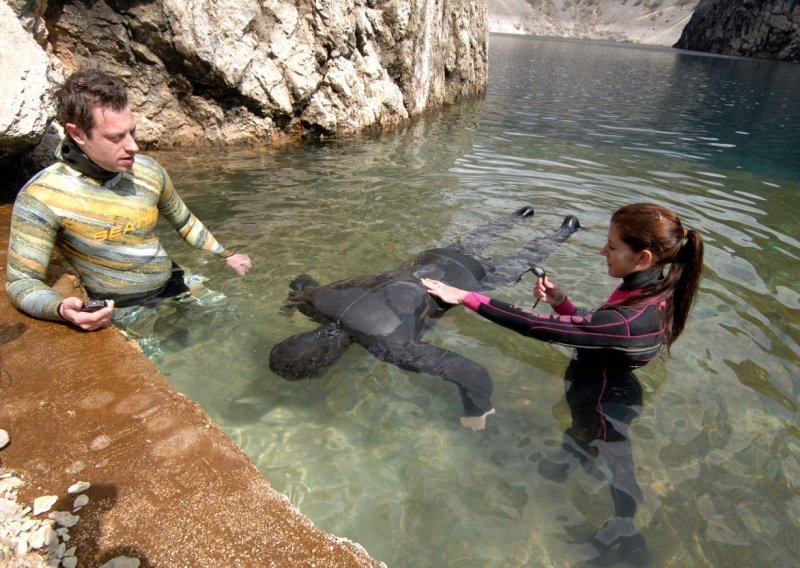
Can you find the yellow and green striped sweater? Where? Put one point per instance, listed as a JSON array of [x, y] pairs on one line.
[[105, 230]]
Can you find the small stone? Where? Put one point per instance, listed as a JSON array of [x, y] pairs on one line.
[[64, 519], [8, 509], [22, 547], [69, 562], [50, 537], [41, 536], [63, 533], [43, 504], [9, 483], [71, 551], [79, 487], [4, 439], [80, 501]]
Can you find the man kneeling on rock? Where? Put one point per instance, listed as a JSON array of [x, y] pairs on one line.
[[98, 206]]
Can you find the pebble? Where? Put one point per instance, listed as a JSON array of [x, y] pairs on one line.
[[4, 439], [42, 535], [43, 504], [80, 501], [79, 487], [64, 518]]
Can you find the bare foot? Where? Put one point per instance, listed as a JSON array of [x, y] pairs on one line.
[[475, 423]]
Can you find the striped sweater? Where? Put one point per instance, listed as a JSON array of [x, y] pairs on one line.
[[104, 229]]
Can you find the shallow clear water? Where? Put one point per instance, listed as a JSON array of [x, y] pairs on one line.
[[376, 454]]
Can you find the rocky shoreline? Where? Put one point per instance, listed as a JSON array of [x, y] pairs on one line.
[[28, 539]]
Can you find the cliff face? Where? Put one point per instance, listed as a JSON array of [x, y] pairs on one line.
[[652, 22], [768, 29], [242, 71]]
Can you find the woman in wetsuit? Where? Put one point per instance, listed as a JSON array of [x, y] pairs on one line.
[[659, 262]]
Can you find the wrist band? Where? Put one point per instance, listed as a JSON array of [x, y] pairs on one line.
[[227, 253]]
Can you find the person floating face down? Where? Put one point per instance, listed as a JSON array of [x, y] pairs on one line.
[[660, 264], [98, 206]]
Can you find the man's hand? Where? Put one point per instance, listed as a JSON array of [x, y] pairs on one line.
[[70, 310], [240, 263]]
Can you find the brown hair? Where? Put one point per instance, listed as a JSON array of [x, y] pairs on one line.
[[655, 228], [86, 90]]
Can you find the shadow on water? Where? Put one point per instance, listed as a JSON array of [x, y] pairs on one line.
[[375, 454]]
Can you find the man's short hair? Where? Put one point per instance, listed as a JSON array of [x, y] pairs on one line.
[[86, 90]]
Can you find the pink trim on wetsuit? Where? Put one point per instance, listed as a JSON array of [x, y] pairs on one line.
[[565, 308], [473, 301], [619, 296]]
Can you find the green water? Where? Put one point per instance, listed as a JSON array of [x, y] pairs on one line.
[[376, 454]]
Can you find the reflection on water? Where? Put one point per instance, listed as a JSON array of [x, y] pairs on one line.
[[376, 454]]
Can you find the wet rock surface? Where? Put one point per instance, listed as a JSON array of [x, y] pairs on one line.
[[167, 486]]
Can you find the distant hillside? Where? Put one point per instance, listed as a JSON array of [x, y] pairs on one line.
[[653, 22]]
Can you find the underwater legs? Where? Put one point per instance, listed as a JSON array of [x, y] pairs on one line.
[[476, 241], [472, 379]]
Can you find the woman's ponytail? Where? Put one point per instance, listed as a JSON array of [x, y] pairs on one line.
[[647, 226], [683, 282]]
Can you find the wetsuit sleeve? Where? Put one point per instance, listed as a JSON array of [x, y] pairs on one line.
[[565, 308], [34, 228], [605, 328], [179, 216]]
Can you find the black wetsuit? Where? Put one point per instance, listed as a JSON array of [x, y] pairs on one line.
[[388, 313], [610, 342], [603, 393]]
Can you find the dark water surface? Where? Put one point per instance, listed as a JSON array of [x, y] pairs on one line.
[[376, 454]]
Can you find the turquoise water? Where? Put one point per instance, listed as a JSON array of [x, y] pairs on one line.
[[376, 454]]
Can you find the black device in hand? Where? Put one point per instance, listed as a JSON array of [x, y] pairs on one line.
[[93, 305], [539, 272]]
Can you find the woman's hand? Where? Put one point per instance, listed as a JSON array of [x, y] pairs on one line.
[[549, 292], [446, 293]]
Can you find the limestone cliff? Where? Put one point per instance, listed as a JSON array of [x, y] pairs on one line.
[[768, 29], [242, 71], [652, 22]]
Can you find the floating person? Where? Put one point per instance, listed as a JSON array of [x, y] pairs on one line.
[[98, 206], [660, 264], [388, 313]]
